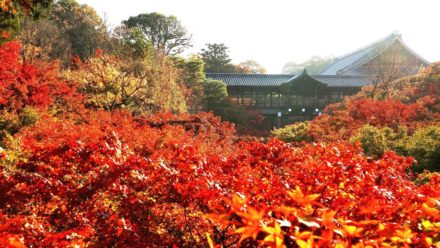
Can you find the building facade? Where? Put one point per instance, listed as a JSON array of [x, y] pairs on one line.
[[303, 96]]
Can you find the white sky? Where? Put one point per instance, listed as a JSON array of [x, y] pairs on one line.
[[277, 31]]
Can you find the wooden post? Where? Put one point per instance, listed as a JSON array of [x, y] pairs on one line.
[[271, 99]]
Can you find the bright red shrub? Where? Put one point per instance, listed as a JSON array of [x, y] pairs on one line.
[[123, 181], [28, 84]]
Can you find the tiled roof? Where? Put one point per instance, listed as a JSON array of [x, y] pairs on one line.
[[268, 80], [350, 60], [237, 79], [347, 63], [342, 80]]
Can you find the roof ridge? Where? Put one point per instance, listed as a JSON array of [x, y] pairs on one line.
[[393, 36], [399, 39], [362, 61]]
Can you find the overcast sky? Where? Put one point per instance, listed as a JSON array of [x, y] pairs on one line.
[[277, 31]]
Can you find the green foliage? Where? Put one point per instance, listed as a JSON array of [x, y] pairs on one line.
[[165, 33], [9, 124], [424, 145], [82, 26], [192, 75], [215, 93], [375, 141], [28, 116], [193, 68], [131, 43], [216, 58], [296, 132]]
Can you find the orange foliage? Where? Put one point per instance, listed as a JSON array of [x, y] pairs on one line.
[[342, 120], [111, 179]]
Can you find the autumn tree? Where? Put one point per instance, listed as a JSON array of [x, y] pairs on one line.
[[342, 120], [166, 33], [44, 40], [69, 30], [28, 84], [251, 67], [28, 88], [12, 12], [139, 85]]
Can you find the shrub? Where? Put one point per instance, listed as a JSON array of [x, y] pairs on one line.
[[297, 132], [11, 123], [375, 141], [424, 145], [343, 120]]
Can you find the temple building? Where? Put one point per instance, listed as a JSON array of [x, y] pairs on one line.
[[302, 96]]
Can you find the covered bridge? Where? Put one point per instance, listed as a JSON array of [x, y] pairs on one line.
[[302, 96]]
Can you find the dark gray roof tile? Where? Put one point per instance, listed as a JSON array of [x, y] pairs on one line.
[[237, 79], [274, 80], [343, 80]]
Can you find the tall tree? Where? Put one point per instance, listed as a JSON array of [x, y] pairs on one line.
[[84, 28], [216, 58], [131, 43], [166, 33], [192, 75]]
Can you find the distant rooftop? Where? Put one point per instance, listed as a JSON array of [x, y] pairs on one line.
[[361, 56], [343, 72]]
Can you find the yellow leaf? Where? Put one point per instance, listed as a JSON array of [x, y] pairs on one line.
[[275, 236], [304, 244], [353, 230], [248, 232], [427, 224], [298, 196], [302, 235], [403, 236], [210, 243], [428, 241]]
